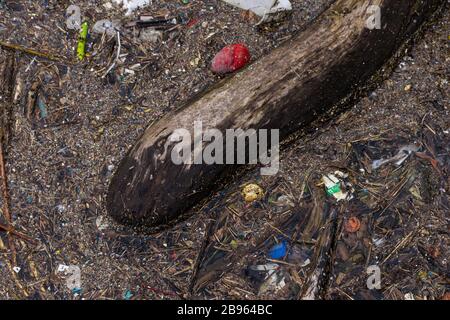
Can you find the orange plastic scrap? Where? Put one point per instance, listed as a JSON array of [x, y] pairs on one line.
[[352, 225], [432, 161]]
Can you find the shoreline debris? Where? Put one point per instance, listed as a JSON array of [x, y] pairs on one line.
[[252, 192], [333, 186], [231, 58], [399, 158], [33, 52], [266, 9], [81, 47], [132, 5]]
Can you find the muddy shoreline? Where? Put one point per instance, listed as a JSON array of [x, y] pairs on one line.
[[59, 168]]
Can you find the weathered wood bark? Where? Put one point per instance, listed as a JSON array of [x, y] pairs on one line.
[[7, 70], [307, 75]]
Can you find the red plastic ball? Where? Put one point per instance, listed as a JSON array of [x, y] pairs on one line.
[[230, 59]]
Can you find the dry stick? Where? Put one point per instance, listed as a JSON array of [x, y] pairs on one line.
[[117, 56], [8, 228], [6, 212], [399, 245], [33, 52], [205, 242], [4, 186], [13, 231]]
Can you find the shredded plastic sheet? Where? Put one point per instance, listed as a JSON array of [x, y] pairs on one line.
[[131, 5], [262, 7], [399, 158]]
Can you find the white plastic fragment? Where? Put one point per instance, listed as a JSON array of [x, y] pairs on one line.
[[409, 296], [262, 7], [281, 5], [274, 282], [16, 269], [399, 158], [101, 223], [107, 26], [108, 5], [378, 242], [265, 267], [73, 13], [62, 268], [311, 291], [61, 208], [151, 35], [131, 5], [306, 263]]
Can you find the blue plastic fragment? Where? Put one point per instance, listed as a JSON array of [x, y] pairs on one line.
[[76, 291], [278, 251], [29, 199], [127, 295]]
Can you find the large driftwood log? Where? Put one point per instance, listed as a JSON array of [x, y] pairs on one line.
[[307, 75]]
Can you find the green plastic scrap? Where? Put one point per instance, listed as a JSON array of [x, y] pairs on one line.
[[333, 186], [81, 48], [334, 189]]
